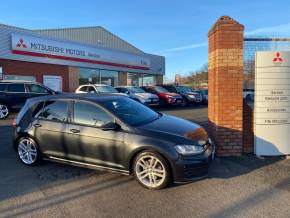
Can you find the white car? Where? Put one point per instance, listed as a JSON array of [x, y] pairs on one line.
[[140, 95], [98, 89]]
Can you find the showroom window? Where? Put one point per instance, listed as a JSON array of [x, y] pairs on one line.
[[89, 75], [149, 80], [135, 79], [109, 77]]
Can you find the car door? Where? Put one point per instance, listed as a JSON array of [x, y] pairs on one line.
[[36, 90], [50, 126], [16, 95], [88, 142]]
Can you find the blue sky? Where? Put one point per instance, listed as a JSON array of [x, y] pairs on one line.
[[175, 29]]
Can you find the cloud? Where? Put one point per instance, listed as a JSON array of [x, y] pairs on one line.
[[182, 48], [274, 30]]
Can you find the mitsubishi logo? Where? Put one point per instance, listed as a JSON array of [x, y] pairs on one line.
[[278, 58], [21, 43]]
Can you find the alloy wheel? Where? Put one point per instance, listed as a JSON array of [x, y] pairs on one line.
[[27, 151], [150, 171], [3, 111]]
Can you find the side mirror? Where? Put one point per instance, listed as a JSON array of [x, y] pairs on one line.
[[110, 126]]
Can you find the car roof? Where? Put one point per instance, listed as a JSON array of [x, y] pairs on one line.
[[78, 96]]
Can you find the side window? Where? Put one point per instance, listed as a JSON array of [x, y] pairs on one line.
[[37, 109], [16, 88], [90, 114], [84, 89], [54, 111], [91, 89], [2, 87], [33, 88], [169, 88]]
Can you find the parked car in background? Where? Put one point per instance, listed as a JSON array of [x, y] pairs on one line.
[[139, 94], [249, 94], [204, 95], [165, 97], [97, 89], [14, 93], [189, 96], [115, 133]]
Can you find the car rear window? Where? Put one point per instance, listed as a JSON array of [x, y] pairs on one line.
[[16, 88], [2, 87]]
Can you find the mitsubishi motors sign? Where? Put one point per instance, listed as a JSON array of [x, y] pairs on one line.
[[272, 103], [23, 44]]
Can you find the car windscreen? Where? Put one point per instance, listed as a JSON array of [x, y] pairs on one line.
[[160, 89], [183, 89], [136, 90], [130, 111], [106, 89]]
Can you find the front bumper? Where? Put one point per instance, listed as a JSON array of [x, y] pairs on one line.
[[191, 168]]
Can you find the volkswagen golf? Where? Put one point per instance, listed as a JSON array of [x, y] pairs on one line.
[[112, 132]]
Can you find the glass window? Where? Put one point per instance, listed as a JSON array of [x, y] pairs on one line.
[[2, 87], [91, 89], [131, 111], [84, 88], [136, 90], [36, 88], [135, 79], [88, 75], [16, 88], [16, 77], [54, 111], [109, 77], [90, 114], [183, 89], [149, 80], [160, 89], [106, 89]]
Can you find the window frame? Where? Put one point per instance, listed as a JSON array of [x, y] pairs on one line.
[[55, 121], [72, 110], [9, 84], [29, 84]]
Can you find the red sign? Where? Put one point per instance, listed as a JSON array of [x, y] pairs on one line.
[[21, 43], [278, 58]]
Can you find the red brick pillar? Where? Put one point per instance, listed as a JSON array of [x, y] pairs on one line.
[[225, 85]]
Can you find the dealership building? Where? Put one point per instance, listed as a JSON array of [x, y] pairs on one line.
[[65, 58]]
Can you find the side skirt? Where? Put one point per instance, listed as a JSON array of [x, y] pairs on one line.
[[86, 165]]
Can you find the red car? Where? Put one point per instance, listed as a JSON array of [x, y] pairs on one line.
[[165, 97]]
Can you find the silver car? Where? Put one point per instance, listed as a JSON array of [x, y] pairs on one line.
[[98, 89], [139, 94]]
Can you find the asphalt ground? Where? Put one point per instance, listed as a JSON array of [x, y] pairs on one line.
[[236, 187]]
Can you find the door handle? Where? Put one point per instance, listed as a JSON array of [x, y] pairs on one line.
[[36, 125], [74, 130]]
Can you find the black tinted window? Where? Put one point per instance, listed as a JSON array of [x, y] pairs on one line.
[[2, 87], [54, 111], [16, 88], [83, 89], [36, 89], [90, 114], [91, 89]]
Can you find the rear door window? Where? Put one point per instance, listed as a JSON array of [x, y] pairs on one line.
[[16, 88], [34, 88], [91, 89], [54, 111], [84, 89], [2, 87]]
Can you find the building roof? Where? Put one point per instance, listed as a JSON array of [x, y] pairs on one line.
[[96, 36]]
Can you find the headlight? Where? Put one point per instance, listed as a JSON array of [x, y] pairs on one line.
[[191, 96], [189, 149], [169, 96]]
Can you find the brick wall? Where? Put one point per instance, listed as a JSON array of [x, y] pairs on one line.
[[123, 78], [37, 70], [73, 76], [159, 79], [225, 81]]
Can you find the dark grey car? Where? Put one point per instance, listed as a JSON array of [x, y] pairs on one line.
[[113, 133]]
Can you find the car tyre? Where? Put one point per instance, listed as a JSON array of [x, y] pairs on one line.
[[151, 170], [28, 151], [4, 111]]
